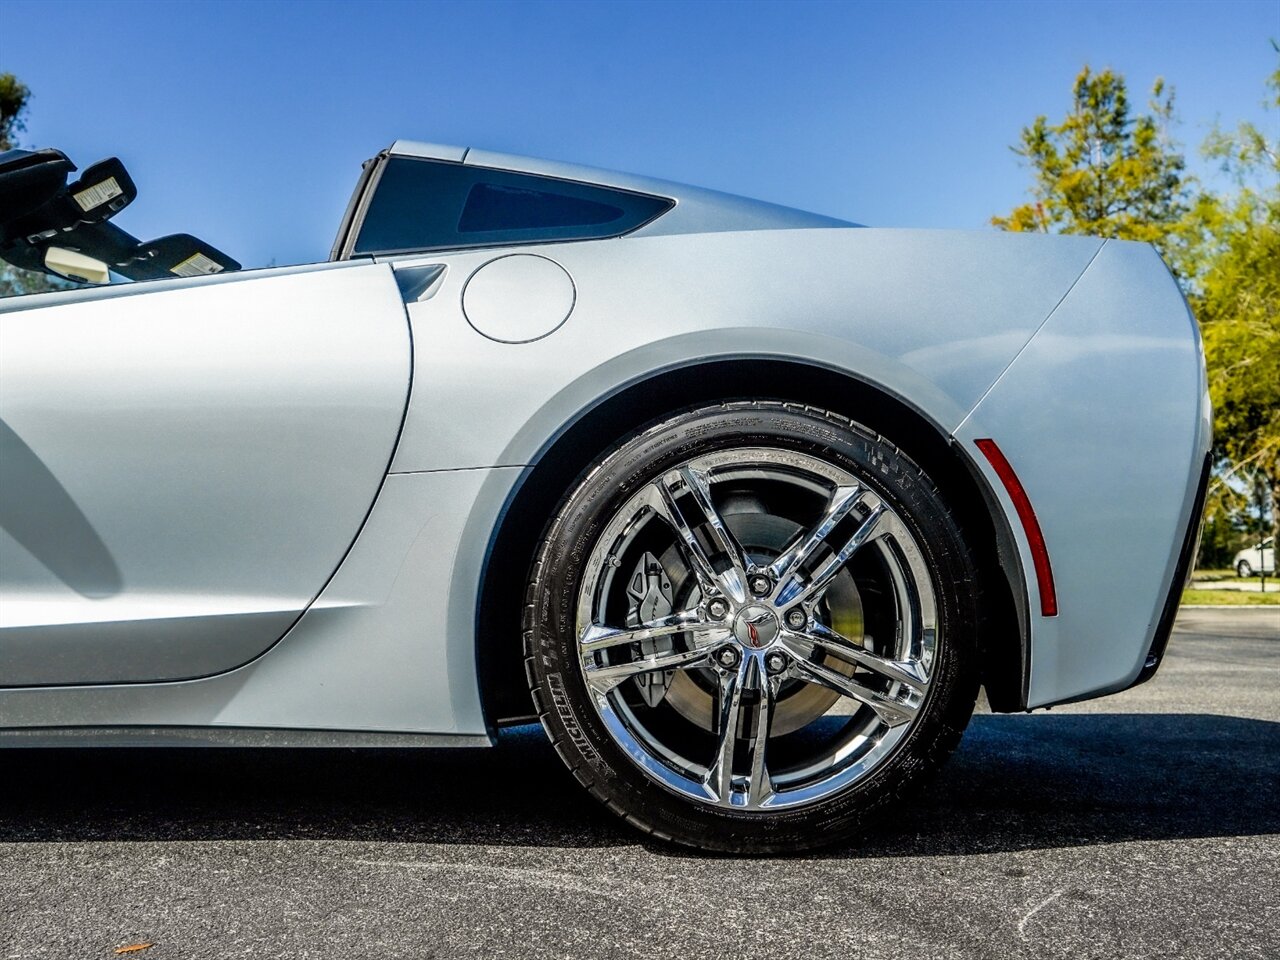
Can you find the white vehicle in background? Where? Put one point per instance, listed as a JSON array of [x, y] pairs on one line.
[[1260, 558]]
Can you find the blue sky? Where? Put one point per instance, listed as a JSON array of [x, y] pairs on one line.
[[246, 122]]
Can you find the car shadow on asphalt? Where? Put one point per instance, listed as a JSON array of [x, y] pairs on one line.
[[1016, 783]]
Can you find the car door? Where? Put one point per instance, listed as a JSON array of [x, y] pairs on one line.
[[183, 465]]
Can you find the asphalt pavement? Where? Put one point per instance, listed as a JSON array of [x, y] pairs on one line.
[[1145, 824]]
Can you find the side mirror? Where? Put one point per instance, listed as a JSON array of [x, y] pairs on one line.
[[74, 265]]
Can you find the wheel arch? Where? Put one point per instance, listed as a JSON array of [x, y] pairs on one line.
[[1004, 625]]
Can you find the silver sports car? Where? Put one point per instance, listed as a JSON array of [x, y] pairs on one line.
[[743, 504]]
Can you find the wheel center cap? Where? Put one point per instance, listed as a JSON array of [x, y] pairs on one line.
[[755, 627]]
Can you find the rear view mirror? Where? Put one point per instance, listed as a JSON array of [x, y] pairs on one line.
[[74, 265]]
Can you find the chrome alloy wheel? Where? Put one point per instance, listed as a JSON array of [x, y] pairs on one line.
[[832, 628]]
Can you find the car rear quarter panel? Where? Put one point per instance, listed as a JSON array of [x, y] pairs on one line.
[[1105, 418], [930, 316]]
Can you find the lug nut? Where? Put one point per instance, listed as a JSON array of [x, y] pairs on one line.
[[775, 663], [796, 618], [759, 584], [728, 657], [717, 608]]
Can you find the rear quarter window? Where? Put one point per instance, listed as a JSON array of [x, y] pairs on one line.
[[420, 205]]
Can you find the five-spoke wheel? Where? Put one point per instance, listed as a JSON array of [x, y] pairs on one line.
[[755, 623]]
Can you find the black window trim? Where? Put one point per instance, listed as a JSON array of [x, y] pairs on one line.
[[360, 209], [353, 217]]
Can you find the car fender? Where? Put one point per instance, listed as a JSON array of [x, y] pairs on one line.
[[1113, 494]]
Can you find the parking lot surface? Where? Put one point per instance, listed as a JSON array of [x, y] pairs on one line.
[[1141, 825]]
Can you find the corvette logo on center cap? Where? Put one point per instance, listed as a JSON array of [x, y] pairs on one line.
[[756, 627]]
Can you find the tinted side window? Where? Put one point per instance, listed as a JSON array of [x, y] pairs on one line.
[[493, 207], [431, 205]]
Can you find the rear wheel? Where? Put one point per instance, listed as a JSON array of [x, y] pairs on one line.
[[1244, 569], [751, 627]]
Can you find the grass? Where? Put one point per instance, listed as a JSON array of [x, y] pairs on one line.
[[1209, 576], [1232, 598]]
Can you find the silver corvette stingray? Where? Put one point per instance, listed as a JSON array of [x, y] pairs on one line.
[[744, 504]]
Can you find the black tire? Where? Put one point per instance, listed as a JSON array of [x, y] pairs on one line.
[[556, 674], [1244, 569]]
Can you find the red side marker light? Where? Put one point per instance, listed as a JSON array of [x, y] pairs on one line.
[[1030, 525]]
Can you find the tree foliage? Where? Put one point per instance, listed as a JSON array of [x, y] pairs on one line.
[[1106, 172], [14, 97], [1102, 170], [19, 283], [1236, 296]]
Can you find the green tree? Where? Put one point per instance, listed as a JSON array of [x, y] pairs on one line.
[[19, 283], [14, 97], [1236, 297], [1219, 540], [1103, 171]]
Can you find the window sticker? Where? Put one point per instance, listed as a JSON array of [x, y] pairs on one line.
[[98, 194], [196, 265]]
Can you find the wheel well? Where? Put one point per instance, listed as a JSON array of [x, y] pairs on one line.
[[1003, 605]]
